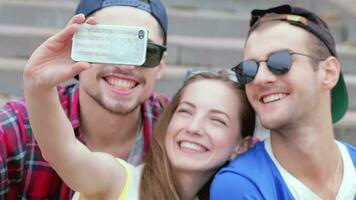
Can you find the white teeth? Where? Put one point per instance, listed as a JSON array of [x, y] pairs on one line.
[[192, 146], [120, 83], [273, 97]]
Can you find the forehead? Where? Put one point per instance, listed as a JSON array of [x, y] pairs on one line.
[[212, 94], [130, 16], [273, 36]]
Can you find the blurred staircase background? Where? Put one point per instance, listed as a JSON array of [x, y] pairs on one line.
[[202, 33]]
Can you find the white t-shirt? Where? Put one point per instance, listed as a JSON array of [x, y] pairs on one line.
[[300, 191]]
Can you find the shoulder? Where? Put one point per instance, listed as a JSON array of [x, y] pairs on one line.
[[233, 186], [16, 109], [13, 114], [251, 163], [13, 106], [250, 175], [15, 130], [351, 148], [352, 151], [252, 160]]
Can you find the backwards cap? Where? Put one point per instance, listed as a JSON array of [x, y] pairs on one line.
[[314, 24]]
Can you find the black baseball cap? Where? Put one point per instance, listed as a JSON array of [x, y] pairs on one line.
[[311, 22], [154, 7]]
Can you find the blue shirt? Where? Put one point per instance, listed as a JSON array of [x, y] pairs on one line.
[[253, 175]]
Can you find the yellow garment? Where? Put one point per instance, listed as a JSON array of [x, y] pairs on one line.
[[129, 171]]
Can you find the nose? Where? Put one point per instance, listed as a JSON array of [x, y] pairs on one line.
[[264, 75], [196, 125]]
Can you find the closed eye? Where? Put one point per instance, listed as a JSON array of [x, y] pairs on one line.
[[219, 121], [184, 111]]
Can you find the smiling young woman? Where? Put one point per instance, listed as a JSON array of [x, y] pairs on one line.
[[208, 121]]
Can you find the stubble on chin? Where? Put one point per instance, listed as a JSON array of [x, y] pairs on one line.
[[118, 108]]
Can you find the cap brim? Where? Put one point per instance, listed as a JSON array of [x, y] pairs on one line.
[[340, 101]]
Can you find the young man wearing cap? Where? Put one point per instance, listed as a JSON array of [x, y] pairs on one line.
[[294, 82], [112, 109]]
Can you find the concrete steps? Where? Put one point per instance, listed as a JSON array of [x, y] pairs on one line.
[[224, 5], [21, 41], [347, 12], [53, 14], [11, 76], [198, 36], [243, 6], [187, 22]]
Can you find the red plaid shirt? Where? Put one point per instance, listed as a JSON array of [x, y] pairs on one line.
[[24, 174]]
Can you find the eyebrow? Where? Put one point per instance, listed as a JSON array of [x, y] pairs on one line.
[[281, 49], [270, 53], [212, 110], [277, 50]]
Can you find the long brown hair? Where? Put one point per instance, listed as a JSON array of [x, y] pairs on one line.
[[158, 180]]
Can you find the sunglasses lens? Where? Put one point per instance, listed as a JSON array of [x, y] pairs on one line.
[[153, 55], [246, 71], [279, 62]]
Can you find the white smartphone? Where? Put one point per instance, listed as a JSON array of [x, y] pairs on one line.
[[112, 44]]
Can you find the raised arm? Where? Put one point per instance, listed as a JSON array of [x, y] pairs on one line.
[[84, 171]]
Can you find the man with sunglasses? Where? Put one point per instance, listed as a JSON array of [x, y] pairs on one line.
[[112, 109], [294, 82]]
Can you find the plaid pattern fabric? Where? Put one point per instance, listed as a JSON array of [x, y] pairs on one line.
[[24, 174]]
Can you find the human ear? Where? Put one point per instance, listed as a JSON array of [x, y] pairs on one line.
[[161, 66], [331, 69]]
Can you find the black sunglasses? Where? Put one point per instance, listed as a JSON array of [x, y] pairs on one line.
[[153, 55], [278, 63]]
